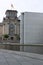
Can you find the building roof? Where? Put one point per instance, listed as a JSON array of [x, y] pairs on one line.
[[11, 11]]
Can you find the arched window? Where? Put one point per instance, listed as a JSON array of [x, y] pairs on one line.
[[11, 29]]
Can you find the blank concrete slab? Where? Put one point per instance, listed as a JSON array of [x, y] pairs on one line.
[[8, 57]]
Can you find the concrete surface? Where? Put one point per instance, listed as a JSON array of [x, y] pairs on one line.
[[8, 57], [31, 27]]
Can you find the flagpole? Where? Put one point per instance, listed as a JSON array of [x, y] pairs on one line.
[[12, 7]]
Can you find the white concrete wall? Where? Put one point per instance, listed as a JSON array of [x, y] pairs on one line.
[[21, 28], [33, 28]]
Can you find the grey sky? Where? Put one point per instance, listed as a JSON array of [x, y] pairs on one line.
[[21, 6]]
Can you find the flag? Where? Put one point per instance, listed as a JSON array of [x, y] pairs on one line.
[[12, 6]]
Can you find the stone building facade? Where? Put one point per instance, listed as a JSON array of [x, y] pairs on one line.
[[10, 25]]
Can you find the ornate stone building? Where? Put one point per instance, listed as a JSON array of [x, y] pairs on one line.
[[10, 25]]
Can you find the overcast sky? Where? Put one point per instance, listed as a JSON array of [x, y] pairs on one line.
[[20, 6]]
